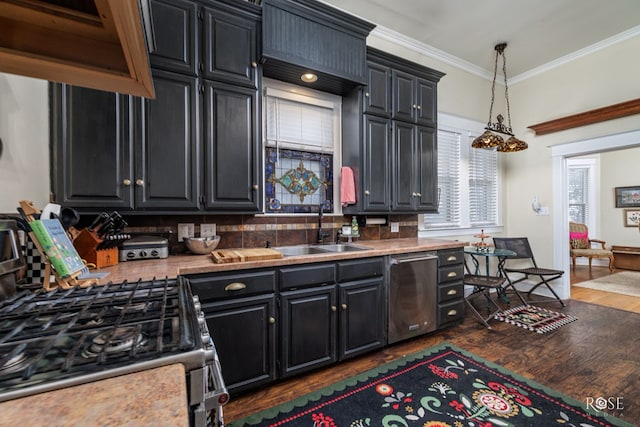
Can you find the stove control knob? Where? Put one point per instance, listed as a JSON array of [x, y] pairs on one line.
[[131, 254], [143, 253], [201, 320], [154, 253]]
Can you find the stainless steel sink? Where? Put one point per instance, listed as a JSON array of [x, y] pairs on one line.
[[300, 250], [318, 249], [343, 247]]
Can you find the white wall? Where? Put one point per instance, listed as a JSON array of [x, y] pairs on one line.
[[24, 130]]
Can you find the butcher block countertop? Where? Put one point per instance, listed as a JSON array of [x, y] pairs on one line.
[[174, 266], [155, 397]]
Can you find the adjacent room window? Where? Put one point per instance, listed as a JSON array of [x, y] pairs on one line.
[[581, 191], [468, 180], [302, 148]]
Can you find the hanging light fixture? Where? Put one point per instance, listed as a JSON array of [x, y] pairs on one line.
[[490, 137]]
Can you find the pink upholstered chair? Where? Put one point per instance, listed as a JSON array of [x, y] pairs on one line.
[[581, 245]]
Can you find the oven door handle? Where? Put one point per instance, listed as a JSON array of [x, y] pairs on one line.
[[219, 395], [414, 259]]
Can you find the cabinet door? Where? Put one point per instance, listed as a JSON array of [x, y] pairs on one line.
[[426, 113], [376, 187], [402, 170], [361, 317], [404, 90], [377, 99], [175, 26], [230, 52], [426, 169], [307, 329], [243, 331], [92, 148], [167, 164], [231, 148]]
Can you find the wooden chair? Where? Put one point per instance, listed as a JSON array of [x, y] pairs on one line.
[[581, 245]]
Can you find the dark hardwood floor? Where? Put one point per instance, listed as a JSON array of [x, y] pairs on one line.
[[596, 356]]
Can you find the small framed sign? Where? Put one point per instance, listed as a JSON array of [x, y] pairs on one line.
[[632, 217], [627, 197]]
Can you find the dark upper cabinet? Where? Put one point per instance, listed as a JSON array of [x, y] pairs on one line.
[[376, 156], [415, 168], [92, 147], [230, 47], [414, 99], [176, 35], [167, 153], [231, 148], [377, 95]]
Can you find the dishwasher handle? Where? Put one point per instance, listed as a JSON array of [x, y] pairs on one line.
[[394, 261]]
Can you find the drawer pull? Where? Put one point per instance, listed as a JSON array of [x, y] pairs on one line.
[[272, 320], [452, 274], [452, 258], [235, 286], [452, 292], [452, 312]]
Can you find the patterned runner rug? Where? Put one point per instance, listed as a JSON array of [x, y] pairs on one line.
[[534, 318], [443, 386]]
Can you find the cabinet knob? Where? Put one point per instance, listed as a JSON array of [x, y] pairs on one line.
[[334, 308], [366, 192], [139, 182], [418, 194], [415, 106], [414, 194], [126, 182], [366, 94], [272, 320], [255, 187], [254, 64], [235, 286], [419, 107], [344, 306]]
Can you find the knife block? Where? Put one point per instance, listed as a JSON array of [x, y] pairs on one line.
[[86, 243]]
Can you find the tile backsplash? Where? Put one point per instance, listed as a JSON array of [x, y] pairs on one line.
[[247, 231]]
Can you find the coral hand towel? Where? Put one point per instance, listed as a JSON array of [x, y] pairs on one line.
[[347, 187]]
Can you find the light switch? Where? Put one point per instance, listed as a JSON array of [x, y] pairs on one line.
[[207, 230], [185, 230], [395, 227]]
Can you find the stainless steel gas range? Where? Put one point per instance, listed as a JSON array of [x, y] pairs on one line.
[[51, 340]]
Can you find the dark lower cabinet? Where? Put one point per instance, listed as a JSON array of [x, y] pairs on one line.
[[243, 331], [450, 287], [307, 329], [361, 306]]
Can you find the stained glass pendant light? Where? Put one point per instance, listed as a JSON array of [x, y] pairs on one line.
[[491, 138]]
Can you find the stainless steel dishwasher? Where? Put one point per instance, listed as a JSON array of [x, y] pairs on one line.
[[412, 295]]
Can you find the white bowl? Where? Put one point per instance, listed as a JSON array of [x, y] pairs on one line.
[[201, 245]]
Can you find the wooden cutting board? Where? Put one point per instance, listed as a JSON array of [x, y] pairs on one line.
[[222, 256]]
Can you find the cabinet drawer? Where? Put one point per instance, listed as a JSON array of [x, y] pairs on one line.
[[450, 291], [315, 274], [209, 287], [450, 273], [450, 312], [450, 257], [360, 269]]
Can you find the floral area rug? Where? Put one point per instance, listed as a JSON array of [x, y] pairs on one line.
[[534, 318], [443, 386]]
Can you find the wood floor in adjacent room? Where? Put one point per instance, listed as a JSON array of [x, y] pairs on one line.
[[596, 356]]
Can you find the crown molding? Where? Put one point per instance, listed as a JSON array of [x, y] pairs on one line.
[[430, 51]]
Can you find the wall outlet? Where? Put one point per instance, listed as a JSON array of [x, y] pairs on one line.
[[207, 230], [395, 227], [185, 230]]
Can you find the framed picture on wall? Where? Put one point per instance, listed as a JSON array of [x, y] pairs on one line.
[[632, 217], [627, 197]]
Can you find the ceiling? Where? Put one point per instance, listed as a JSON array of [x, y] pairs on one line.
[[464, 32]]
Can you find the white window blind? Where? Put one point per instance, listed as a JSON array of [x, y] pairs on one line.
[[299, 125], [448, 181], [483, 186], [578, 194]]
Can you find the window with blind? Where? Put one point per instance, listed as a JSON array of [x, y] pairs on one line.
[[302, 148], [580, 190], [468, 179]]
